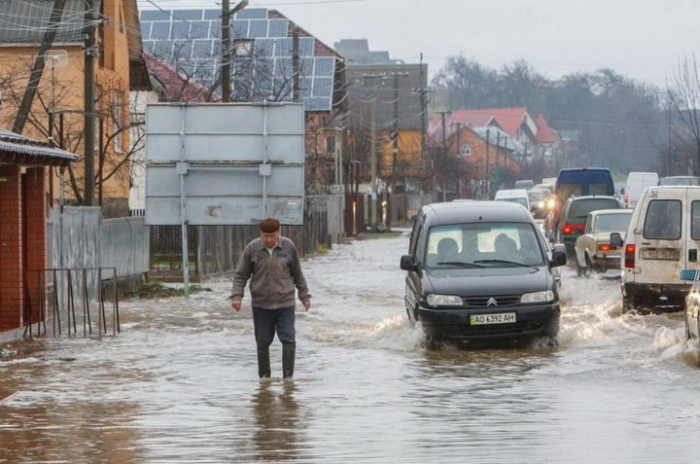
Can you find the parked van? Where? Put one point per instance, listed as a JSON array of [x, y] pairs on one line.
[[481, 271], [636, 183], [662, 239]]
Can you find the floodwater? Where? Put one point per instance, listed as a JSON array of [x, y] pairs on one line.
[[179, 383]]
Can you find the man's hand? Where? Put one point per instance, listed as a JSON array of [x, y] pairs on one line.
[[307, 304], [236, 305]]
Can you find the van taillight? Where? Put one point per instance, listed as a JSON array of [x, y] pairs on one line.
[[568, 228], [629, 255]]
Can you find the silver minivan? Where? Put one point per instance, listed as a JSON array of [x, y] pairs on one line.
[[662, 239]]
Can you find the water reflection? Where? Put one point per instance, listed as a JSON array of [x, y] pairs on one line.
[[276, 415]]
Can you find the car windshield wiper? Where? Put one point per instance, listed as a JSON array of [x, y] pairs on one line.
[[502, 261], [458, 263]]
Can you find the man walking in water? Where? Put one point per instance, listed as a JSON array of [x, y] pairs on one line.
[[272, 265]]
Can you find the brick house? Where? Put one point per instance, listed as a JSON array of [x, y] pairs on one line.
[[117, 64], [23, 209], [469, 156]]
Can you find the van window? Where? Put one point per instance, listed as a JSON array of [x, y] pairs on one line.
[[417, 225], [598, 189], [695, 220], [663, 220]]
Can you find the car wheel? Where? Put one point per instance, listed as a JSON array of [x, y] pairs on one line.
[[430, 343], [628, 304]]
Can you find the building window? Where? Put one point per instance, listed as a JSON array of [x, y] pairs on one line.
[[117, 109], [330, 145], [465, 150]]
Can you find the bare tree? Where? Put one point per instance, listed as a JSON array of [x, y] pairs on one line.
[[56, 97], [683, 104]]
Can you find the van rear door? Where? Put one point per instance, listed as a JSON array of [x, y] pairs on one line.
[[693, 236], [661, 234]]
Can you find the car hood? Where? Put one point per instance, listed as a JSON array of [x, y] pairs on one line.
[[488, 281]]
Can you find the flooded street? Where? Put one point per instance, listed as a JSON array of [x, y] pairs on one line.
[[179, 384]]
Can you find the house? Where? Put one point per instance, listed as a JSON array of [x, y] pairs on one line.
[[58, 110], [470, 160], [24, 168], [535, 137], [387, 102], [273, 59]]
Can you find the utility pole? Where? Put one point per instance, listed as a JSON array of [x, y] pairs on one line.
[[444, 149], [424, 122], [226, 14], [486, 168], [89, 101], [296, 66], [373, 145]]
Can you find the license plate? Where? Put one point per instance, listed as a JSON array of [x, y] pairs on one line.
[[495, 318], [664, 254]]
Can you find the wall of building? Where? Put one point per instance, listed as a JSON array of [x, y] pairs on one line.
[[22, 243]]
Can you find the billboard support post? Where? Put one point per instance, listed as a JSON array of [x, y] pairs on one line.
[[224, 164]]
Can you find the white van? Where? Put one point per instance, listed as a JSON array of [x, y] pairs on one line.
[[635, 185], [662, 239]]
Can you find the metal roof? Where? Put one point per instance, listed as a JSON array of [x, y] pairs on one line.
[[13, 143]]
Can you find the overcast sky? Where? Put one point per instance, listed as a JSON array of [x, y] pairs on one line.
[[641, 39]]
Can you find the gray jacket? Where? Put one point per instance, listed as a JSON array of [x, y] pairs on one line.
[[272, 276]]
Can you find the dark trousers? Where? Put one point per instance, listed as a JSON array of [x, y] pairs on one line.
[[269, 321]]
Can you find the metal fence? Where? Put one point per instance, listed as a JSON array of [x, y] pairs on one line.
[[216, 249]]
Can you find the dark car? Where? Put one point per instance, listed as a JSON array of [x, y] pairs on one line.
[[573, 220], [576, 182], [481, 271]]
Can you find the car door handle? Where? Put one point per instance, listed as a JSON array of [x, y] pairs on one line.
[[692, 255]]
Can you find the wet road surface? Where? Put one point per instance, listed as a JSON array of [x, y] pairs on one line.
[[179, 384]]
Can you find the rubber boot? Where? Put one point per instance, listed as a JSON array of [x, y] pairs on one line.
[[264, 363], [288, 351]]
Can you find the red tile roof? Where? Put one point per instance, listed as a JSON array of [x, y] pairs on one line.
[[509, 119], [545, 134]]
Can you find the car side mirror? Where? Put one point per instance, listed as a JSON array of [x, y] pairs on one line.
[[408, 263], [615, 239], [558, 258]]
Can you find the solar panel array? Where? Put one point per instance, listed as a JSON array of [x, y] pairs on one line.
[[191, 40], [25, 21]]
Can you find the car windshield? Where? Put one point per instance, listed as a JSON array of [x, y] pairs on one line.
[[612, 222], [483, 245]]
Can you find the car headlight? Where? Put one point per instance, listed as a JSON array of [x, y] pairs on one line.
[[444, 300], [537, 297]]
